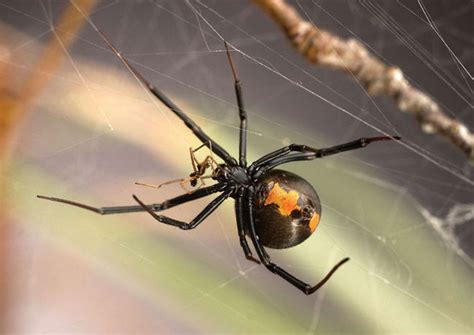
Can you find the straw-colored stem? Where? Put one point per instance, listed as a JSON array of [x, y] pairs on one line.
[[14, 108]]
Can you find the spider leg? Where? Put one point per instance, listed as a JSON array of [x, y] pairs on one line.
[[193, 159], [266, 260], [194, 222], [282, 160], [132, 209], [304, 152], [242, 112], [239, 213], [179, 180], [200, 134]]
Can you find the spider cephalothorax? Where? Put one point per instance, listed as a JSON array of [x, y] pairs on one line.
[[274, 208]]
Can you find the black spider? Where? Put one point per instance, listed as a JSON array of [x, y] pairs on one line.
[[275, 208]]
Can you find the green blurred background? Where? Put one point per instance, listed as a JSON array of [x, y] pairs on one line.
[[94, 131]]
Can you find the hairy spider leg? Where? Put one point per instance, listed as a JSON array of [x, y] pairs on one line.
[[200, 134], [266, 260], [242, 112], [194, 222], [304, 152], [181, 199]]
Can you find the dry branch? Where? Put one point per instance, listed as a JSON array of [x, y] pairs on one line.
[[67, 26], [14, 109], [323, 48]]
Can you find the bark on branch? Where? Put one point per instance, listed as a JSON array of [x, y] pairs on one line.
[[323, 48]]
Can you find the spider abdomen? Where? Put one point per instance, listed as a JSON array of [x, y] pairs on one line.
[[287, 209]]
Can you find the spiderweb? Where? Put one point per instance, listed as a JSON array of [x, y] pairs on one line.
[[403, 211]]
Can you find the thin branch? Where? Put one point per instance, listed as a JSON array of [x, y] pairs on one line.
[[14, 108], [323, 48], [11, 119]]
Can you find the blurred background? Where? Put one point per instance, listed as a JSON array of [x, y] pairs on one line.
[[76, 124]]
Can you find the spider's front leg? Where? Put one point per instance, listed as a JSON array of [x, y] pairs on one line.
[[242, 112], [298, 152], [266, 260], [197, 131]]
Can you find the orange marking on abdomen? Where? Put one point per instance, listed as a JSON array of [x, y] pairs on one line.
[[314, 222], [286, 201]]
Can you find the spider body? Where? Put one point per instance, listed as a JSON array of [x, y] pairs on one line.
[[239, 176], [287, 209], [274, 208]]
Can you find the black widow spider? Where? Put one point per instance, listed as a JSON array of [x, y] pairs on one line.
[[275, 208]]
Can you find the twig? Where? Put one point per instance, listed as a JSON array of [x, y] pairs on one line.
[[14, 108], [323, 48], [11, 119]]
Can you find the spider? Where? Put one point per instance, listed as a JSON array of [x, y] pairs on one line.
[[274, 208], [199, 168]]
